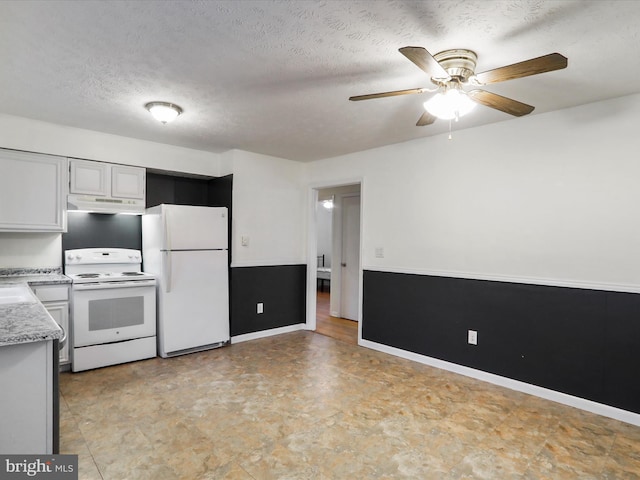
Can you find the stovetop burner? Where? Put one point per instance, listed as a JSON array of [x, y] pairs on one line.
[[102, 265], [124, 277]]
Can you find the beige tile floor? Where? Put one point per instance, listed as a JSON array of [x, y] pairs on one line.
[[305, 406]]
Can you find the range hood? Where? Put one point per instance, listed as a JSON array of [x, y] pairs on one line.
[[102, 204], [105, 188]]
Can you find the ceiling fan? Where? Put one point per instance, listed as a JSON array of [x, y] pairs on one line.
[[450, 70]]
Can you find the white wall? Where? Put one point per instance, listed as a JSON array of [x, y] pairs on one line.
[[269, 201], [551, 198], [268, 192], [30, 250], [34, 136], [324, 219], [44, 249]]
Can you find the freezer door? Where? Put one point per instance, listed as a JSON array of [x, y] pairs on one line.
[[188, 227], [193, 300]]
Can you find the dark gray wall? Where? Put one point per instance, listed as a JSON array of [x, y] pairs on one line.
[[174, 190], [575, 341], [281, 288], [93, 230]]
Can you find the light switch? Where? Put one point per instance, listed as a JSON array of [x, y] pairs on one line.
[[379, 252], [244, 240]]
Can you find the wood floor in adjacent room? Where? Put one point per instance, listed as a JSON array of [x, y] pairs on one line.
[[307, 406], [335, 327]]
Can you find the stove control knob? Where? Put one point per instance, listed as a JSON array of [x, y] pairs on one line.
[[78, 257], [70, 257]]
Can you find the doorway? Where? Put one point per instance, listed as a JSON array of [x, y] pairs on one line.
[[337, 278]]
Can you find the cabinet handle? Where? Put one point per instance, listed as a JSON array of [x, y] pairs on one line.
[[63, 340]]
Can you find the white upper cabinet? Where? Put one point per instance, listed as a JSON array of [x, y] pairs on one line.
[[106, 180], [106, 188], [90, 178], [127, 182], [33, 192]]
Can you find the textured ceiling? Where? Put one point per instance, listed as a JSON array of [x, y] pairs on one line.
[[274, 76]]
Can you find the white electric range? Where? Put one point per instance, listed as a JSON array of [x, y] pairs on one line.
[[113, 307]]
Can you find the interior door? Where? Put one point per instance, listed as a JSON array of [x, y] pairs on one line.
[[350, 257]]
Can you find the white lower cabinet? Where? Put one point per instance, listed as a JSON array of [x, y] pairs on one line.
[[26, 398], [55, 299], [60, 313]]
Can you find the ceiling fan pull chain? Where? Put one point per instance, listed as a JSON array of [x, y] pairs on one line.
[[450, 137]]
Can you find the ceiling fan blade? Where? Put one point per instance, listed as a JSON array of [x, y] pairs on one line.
[[425, 119], [388, 94], [504, 104], [534, 66], [425, 61]]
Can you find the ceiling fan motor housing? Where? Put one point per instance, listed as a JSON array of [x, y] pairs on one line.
[[460, 64]]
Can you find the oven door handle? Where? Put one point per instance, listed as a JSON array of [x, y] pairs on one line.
[[107, 285]]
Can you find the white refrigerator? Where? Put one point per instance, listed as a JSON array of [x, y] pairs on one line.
[[185, 247]]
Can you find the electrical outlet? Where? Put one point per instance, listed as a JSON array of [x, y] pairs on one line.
[[379, 252], [260, 307], [472, 337]]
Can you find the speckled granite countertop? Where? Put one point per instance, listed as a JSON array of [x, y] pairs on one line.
[[33, 276], [28, 321]]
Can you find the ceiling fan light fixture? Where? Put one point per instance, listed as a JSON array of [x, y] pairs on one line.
[[452, 104], [164, 112]]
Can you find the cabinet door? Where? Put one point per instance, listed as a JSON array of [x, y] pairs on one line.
[[33, 192], [60, 313], [89, 178], [26, 399], [127, 182]]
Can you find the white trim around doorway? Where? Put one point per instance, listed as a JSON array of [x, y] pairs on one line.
[[312, 247]]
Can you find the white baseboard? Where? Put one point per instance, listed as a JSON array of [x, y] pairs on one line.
[[274, 262], [267, 333], [565, 399]]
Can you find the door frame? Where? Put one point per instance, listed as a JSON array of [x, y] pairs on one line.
[[312, 246]]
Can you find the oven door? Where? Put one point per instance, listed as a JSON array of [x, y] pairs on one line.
[[112, 312]]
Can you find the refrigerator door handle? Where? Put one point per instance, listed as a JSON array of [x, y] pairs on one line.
[[166, 274], [166, 240], [166, 234]]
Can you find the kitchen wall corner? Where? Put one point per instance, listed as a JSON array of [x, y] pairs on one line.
[[30, 250]]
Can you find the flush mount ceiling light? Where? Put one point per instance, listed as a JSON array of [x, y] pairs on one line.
[[328, 204], [163, 111]]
